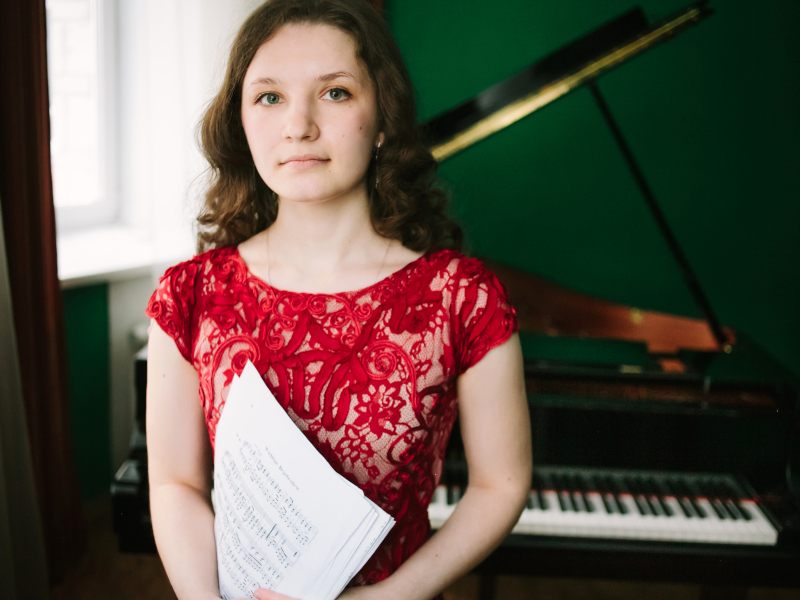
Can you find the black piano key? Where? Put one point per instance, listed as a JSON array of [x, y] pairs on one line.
[[575, 485], [568, 501], [664, 506], [691, 495], [613, 490], [655, 493], [543, 503], [698, 509], [686, 507], [745, 513], [731, 509], [641, 502], [564, 499], [723, 493], [589, 486], [655, 506], [530, 502], [608, 503], [718, 508], [610, 491]]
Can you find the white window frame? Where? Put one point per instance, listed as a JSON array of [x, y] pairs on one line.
[[107, 210]]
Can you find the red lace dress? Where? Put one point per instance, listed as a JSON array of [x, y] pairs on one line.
[[368, 376]]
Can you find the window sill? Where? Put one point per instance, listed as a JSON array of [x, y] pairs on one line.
[[113, 253]]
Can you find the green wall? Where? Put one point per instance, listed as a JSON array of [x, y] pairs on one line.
[[711, 117], [86, 324]]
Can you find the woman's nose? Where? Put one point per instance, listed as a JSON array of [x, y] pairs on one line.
[[300, 123]]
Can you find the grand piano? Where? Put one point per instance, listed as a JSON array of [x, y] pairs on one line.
[[666, 448]]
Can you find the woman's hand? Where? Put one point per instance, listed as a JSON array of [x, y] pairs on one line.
[[264, 594], [356, 593]]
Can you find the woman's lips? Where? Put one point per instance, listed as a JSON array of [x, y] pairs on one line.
[[306, 161]]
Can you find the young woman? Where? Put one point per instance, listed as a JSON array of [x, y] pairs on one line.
[[334, 269]]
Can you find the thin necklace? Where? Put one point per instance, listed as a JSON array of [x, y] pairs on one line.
[[269, 259], [383, 262], [377, 276]]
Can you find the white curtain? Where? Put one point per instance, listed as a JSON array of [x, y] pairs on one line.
[[170, 61], [172, 55], [23, 566]]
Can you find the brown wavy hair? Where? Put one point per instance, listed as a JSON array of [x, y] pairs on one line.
[[405, 206]]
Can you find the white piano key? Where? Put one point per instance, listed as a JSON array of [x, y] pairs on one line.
[[765, 531]]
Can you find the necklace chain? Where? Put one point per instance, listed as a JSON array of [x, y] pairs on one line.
[[269, 258], [377, 275]]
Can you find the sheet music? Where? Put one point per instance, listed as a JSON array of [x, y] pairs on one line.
[[285, 520]]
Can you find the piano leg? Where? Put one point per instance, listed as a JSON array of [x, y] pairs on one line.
[[722, 592], [486, 585]]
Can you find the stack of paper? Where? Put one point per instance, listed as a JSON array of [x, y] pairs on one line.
[[285, 520]]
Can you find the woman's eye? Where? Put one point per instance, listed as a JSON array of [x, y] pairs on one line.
[[269, 98], [336, 94]]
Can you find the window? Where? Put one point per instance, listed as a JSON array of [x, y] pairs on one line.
[[80, 54]]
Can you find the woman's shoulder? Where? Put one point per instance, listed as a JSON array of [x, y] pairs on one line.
[[462, 269], [200, 263]]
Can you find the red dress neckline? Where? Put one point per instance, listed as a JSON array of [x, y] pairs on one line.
[[347, 294]]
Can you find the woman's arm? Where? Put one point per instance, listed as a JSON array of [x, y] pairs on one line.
[[179, 466], [495, 428]]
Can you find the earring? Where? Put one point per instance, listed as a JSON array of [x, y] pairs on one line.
[[378, 147]]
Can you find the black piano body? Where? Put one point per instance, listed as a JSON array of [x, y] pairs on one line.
[[612, 387]]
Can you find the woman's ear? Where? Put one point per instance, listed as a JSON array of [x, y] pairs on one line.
[[380, 140]]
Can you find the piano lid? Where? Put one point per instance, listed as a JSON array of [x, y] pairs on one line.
[[552, 77], [555, 310]]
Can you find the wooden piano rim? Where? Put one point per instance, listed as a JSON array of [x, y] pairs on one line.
[[551, 309]]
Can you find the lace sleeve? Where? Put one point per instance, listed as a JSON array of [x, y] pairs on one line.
[[485, 318], [172, 305]]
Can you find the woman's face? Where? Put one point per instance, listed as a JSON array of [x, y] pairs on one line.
[[310, 114]]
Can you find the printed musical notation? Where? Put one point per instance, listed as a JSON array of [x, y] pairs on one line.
[[263, 547], [284, 519], [285, 505]]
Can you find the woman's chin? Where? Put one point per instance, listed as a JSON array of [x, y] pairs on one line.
[[319, 196]]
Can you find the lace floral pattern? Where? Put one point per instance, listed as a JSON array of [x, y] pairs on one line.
[[368, 376]]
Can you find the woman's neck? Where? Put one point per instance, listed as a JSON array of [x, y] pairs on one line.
[[323, 248], [318, 237]]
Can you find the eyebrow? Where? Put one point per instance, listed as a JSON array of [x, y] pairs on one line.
[[337, 75], [322, 78]]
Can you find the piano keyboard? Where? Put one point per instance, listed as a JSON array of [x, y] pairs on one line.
[[622, 504]]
